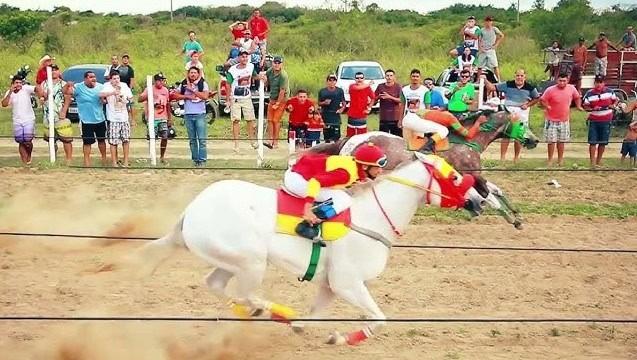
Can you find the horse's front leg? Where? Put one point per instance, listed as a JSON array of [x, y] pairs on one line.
[[357, 294], [323, 299], [499, 201]]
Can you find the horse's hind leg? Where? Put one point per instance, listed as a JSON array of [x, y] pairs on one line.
[[323, 299]]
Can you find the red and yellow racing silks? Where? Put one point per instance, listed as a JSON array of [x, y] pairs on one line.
[[321, 171]]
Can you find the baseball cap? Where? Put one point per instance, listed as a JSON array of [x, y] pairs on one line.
[[277, 59], [159, 76], [244, 52], [488, 18], [602, 34], [55, 67], [599, 78], [125, 55], [331, 76]]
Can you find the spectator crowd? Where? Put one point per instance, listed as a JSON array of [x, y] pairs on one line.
[[106, 111]]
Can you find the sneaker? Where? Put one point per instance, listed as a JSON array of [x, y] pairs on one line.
[[269, 146], [255, 145]]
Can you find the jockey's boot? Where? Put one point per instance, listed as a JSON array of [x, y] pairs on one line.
[[429, 147], [310, 231]]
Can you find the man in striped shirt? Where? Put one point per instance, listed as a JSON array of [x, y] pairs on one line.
[[600, 101]]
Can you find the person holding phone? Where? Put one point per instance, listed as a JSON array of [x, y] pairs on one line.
[[19, 98]]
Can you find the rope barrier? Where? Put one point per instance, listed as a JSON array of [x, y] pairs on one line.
[[325, 320], [400, 246]]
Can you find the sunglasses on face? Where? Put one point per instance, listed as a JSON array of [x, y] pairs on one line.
[[428, 84], [360, 78]]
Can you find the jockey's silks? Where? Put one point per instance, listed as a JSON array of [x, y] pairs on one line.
[[447, 119], [331, 171]]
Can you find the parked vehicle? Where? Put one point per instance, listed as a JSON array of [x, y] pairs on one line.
[[75, 74], [345, 71]]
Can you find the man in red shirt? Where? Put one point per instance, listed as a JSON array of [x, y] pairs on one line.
[[601, 54], [259, 27], [361, 98], [299, 108], [579, 54], [320, 177], [237, 29], [600, 101]]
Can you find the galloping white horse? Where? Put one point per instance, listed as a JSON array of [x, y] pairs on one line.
[[231, 224]]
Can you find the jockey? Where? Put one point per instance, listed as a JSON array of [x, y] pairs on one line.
[[437, 123], [322, 178]]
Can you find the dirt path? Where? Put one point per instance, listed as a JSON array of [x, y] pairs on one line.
[[54, 277]]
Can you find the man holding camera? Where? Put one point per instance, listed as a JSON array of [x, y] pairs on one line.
[[163, 118]]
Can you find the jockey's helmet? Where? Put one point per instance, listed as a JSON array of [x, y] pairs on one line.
[[370, 154]]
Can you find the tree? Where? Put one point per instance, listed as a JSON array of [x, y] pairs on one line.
[[373, 7], [21, 29], [539, 5]]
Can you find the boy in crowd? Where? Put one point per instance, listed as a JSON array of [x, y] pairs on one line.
[[299, 108], [195, 62], [315, 126], [629, 145], [117, 95]]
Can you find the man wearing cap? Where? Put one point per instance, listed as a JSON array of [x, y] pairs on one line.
[[601, 53], [62, 126], [239, 80], [628, 41], [161, 109], [279, 83], [40, 76], [490, 38], [580, 54], [331, 99], [469, 33], [600, 101]]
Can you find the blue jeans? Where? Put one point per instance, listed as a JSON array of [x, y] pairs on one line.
[[197, 133]]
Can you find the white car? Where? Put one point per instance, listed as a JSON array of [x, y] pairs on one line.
[[373, 71]]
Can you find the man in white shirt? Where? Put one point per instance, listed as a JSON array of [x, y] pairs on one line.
[[239, 79], [415, 92], [19, 97], [117, 95]]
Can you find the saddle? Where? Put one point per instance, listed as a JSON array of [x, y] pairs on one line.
[[290, 214]]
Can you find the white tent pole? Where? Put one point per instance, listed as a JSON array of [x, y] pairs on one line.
[[151, 120]]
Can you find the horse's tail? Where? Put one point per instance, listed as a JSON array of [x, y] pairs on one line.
[[147, 259]]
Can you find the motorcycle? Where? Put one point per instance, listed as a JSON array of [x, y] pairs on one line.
[[22, 73], [177, 105]]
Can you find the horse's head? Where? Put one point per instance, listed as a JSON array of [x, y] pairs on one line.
[[506, 124]]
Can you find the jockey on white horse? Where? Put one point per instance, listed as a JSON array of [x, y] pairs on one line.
[[322, 178]]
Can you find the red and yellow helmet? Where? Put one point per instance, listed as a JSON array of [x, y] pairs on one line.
[[370, 154]]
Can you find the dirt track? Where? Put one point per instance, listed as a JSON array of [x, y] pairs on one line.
[[52, 277]]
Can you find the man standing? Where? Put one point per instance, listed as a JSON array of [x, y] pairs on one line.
[[91, 112], [490, 38], [259, 27], [279, 83], [557, 103], [388, 94], [45, 61], [332, 102], [19, 97], [600, 101], [360, 105], [628, 41], [579, 53], [62, 126], [299, 108], [195, 91], [114, 66], [191, 45], [117, 96], [160, 105], [434, 100], [519, 97], [461, 95], [239, 96], [601, 54], [414, 91], [469, 33], [127, 76]]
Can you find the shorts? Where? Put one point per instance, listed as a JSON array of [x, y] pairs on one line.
[[299, 132], [557, 131], [92, 132], [600, 66], [118, 132], [242, 106], [598, 132], [63, 131], [23, 133], [390, 127], [629, 148], [275, 115], [576, 74], [331, 132], [356, 126], [488, 59], [312, 137], [161, 129], [460, 50]]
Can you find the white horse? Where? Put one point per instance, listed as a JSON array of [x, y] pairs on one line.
[[231, 225]]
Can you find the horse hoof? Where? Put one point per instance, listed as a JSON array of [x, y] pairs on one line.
[[518, 225], [336, 339], [256, 313]]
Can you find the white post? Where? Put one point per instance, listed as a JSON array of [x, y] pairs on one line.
[[291, 148], [480, 93], [151, 120], [51, 115], [260, 122]]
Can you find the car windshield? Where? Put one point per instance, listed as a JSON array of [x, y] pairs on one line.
[[77, 75], [370, 72]]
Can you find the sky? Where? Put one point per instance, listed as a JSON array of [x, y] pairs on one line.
[[149, 6]]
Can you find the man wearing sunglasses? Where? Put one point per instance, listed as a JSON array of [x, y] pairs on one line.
[[461, 95], [360, 105]]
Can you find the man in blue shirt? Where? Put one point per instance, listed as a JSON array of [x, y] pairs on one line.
[[91, 111], [433, 98]]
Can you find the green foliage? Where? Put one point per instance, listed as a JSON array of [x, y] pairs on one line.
[[20, 28]]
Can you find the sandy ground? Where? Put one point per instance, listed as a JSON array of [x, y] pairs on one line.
[[54, 276]]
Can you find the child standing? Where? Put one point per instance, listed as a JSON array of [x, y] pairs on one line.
[[629, 145], [315, 126], [299, 108]]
